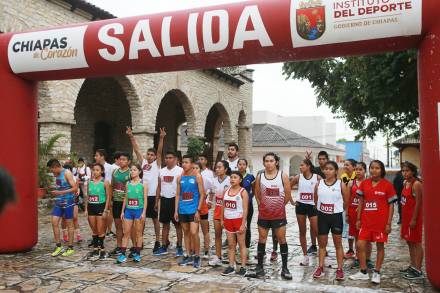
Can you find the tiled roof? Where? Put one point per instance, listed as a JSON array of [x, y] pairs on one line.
[[96, 11], [411, 139]]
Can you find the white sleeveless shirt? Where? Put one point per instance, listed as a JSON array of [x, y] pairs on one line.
[[233, 205], [272, 205], [330, 198], [306, 189]]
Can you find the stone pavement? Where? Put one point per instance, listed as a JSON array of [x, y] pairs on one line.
[[37, 271]]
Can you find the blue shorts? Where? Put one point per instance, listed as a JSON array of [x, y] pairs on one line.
[[64, 209], [132, 214]]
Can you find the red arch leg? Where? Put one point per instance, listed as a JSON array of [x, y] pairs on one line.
[[18, 154], [429, 101]]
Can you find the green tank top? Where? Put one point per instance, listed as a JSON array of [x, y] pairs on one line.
[[119, 184], [97, 192], [135, 196]]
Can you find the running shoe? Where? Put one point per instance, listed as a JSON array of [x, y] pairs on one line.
[[259, 271], [215, 261], [228, 271], [115, 252], [319, 272], [370, 264], [102, 255], [274, 256], [349, 254], [121, 258], [92, 254], [406, 270], [90, 244], [375, 279], [156, 247], [110, 234], [137, 257], [57, 251], [305, 261], [340, 275], [69, 251], [179, 251], [197, 263], [242, 271], [161, 251], [132, 252], [359, 276], [187, 260], [312, 250], [285, 274], [413, 275]]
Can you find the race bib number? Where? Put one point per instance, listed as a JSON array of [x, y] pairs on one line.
[[93, 198], [133, 202], [219, 201], [272, 192], [306, 196], [355, 201], [147, 167], [187, 196], [168, 179], [119, 187], [371, 206], [327, 208], [230, 204]]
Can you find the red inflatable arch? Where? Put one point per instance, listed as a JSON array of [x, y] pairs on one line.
[[249, 32]]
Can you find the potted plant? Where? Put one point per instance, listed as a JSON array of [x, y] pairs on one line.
[[45, 151]]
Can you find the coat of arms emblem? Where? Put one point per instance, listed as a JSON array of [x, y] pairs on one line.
[[310, 19]]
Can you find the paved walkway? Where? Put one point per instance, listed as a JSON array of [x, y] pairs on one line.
[[37, 271]]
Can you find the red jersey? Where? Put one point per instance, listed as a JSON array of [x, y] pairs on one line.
[[377, 199], [408, 202], [353, 203]]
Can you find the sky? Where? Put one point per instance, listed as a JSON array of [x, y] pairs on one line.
[[287, 97]]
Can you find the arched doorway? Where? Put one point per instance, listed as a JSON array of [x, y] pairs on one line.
[[175, 109], [217, 132], [101, 113]]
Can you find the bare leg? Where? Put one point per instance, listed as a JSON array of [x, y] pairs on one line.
[[241, 239], [195, 238], [418, 256], [313, 229], [186, 237], [205, 229], [302, 225], [139, 228], [127, 232], [337, 240], [156, 226], [322, 241], [119, 232], [362, 254], [218, 238], [165, 233], [179, 233], [232, 244], [70, 231], [56, 228], [380, 255]]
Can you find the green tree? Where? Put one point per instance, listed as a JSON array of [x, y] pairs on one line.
[[195, 146], [376, 93]]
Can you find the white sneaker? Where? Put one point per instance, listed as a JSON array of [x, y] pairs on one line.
[[375, 278], [359, 276], [215, 261], [305, 262]]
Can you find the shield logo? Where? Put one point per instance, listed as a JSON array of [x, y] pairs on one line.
[[310, 22]]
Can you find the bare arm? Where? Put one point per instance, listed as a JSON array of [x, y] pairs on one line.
[[158, 189], [294, 181], [136, 148], [245, 199], [69, 178], [417, 187], [287, 189], [107, 195], [176, 206], [315, 194], [124, 202], [160, 146], [201, 191], [345, 195], [390, 218], [145, 197], [257, 189]]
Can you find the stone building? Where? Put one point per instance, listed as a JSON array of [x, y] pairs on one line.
[[93, 113]]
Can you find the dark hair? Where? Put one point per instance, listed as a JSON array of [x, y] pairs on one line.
[[334, 165], [381, 165], [233, 144], [152, 150], [244, 160], [238, 174], [81, 160], [68, 166], [277, 159], [171, 153], [364, 166], [125, 154], [116, 155], [323, 153], [191, 158], [352, 162], [413, 168], [310, 164], [7, 189], [203, 156], [100, 166], [141, 174], [226, 166], [53, 163], [102, 153]]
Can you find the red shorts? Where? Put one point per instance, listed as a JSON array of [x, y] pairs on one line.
[[217, 213], [411, 235], [372, 236], [232, 225], [352, 217]]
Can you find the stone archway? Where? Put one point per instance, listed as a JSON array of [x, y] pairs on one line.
[[218, 131]]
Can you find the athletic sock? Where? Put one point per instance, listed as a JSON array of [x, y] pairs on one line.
[[261, 249], [284, 254], [376, 271], [123, 250], [275, 243], [137, 250], [95, 241], [101, 242]]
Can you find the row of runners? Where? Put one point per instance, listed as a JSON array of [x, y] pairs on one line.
[[185, 196]]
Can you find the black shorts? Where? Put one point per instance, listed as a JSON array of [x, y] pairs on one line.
[[204, 217], [330, 222], [151, 213], [117, 209], [95, 209], [271, 224], [167, 206], [188, 218], [306, 209]]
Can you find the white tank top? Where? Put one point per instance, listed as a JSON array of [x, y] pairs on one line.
[[272, 205], [151, 175], [233, 204], [168, 181], [219, 189], [208, 178], [330, 198], [306, 189]]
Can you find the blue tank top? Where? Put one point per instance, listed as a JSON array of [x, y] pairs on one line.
[[189, 195], [62, 184]]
